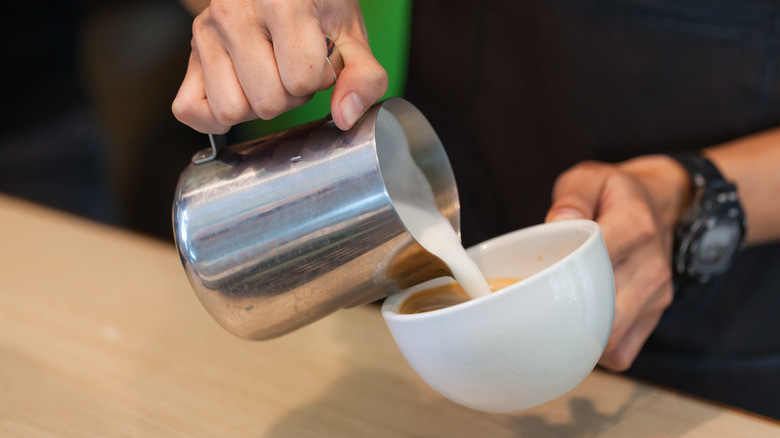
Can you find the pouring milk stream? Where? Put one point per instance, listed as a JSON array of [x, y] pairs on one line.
[[414, 202]]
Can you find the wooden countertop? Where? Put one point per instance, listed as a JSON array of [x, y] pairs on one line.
[[101, 336]]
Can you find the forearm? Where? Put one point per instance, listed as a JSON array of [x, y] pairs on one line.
[[753, 164]]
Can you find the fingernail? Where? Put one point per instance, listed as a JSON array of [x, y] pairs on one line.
[[564, 214], [351, 108]]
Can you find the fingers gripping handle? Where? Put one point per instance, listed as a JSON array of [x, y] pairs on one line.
[[218, 141]]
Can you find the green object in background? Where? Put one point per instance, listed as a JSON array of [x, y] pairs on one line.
[[387, 22]]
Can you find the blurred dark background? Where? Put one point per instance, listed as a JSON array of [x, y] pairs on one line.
[[86, 121]]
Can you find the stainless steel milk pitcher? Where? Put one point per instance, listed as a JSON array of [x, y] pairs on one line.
[[278, 232]]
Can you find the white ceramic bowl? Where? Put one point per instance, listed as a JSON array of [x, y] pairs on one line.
[[525, 344]]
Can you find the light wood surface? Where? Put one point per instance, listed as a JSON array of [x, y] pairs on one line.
[[101, 336]]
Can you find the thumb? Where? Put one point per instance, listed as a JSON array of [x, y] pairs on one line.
[[577, 191], [361, 83]]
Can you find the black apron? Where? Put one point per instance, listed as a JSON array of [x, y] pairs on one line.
[[520, 90]]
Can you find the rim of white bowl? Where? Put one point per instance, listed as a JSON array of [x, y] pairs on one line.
[[394, 301]]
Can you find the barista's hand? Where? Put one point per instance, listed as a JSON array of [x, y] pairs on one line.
[[636, 203], [259, 58]]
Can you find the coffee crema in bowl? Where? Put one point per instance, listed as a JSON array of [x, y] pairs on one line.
[[446, 295]]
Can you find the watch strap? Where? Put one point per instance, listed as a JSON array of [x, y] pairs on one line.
[[700, 169]]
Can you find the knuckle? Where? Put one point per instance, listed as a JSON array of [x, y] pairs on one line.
[[299, 82], [374, 78], [377, 75], [273, 9], [620, 363], [370, 76], [226, 117], [219, 10], [199, 29], [184, 114], [181, 110], [617, 359], [273, 5], [229, 114], [198, 23], [267, 108]]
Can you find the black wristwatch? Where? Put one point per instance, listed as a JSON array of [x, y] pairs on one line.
[[711, 232]]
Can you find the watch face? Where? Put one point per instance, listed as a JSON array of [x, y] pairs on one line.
[[717, 245]]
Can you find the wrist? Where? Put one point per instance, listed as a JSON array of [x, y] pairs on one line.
[[711, 232]]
